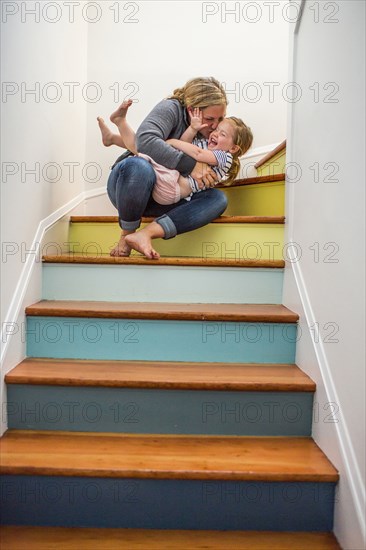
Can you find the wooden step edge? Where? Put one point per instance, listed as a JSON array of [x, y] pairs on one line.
[[159, 375], [221, 219], [254, 181], [150, 473], [106, 259], [265, 313], [271, 154], [111, 455], [76, 538]]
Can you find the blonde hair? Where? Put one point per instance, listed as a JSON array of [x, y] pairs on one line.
[[201, 93], [243, 138]]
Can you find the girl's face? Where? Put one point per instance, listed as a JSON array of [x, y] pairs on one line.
[[223, 138]]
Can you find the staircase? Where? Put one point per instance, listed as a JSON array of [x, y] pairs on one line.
[[159, 405]]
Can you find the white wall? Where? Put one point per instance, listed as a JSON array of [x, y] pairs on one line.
[[39, 132], [170, 42], [326, 220], [36, 130]]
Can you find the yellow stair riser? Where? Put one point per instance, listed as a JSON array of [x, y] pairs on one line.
[[275, 165], [231, 241], [260, 199]]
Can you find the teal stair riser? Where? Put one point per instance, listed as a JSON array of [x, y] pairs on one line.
[[127, 410], [153, 340], [186, 284], [167, 504]]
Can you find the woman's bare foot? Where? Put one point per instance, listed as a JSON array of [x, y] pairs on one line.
[[121, 112], [141, 241], [122, 248], [107, 134]]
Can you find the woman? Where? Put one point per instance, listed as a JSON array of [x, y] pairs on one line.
[[132, 179]]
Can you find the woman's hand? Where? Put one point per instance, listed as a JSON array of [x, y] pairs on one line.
[[204, 175]]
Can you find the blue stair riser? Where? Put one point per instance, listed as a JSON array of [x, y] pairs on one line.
[[154, 340], [167, 504], [140, 283], [127, 410]]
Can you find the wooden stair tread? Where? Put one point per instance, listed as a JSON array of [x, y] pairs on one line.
[[271, 154], [73, 538], [85, 258], [221, 219], [164, 375], [254, 181], [164, 456], [267, 313]]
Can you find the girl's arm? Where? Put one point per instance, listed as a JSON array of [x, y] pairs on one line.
[[196, 125], [189, 135], [200, 155]]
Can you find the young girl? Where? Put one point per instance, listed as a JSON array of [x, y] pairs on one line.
[[231, 139]]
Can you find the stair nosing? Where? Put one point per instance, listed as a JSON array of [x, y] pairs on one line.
[[265, 313], [255, 180], [74, 379], [106, 259], [275, 220], [167, 474], [32, 537]]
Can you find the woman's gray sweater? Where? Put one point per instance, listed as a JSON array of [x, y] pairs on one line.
[[168, 119]]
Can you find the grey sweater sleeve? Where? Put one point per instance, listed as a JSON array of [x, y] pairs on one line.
[[165, 121]]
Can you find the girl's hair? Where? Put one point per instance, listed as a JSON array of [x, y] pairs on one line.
[[243, 137], [201, 93]]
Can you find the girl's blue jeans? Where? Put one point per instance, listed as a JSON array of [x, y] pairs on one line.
[[130, 186]]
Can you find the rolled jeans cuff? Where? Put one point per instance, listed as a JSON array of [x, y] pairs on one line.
[[129, 226], [167, 224]]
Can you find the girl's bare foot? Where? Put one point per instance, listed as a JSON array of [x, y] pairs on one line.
[[141, 241], [122, 248], [107, 134], [121, 112]]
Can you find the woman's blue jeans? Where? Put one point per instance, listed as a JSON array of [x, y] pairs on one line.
[[130, 185]]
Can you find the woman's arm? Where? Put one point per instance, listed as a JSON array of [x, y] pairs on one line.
[[198, 154], [165, 121]]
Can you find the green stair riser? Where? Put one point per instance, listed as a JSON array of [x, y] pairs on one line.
[[136, 410], [260, 199], [224, 241], [186, 284]]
